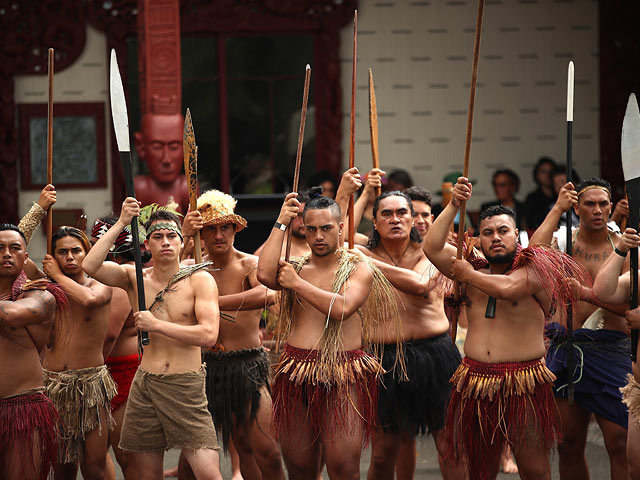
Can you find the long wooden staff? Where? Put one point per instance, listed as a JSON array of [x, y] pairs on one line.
[[352, 133], [50, 149], [296, 174], [569, 239], [190, 156], [373, 126], [467, 149]]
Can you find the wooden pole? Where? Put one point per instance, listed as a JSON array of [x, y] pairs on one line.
[[373, 126], [569, 239], [50, 148], [467, 147], [296, 173], [352, 133]]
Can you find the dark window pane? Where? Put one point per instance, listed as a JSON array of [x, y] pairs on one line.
[[249, 136], [265, 83], [268, 56], [200, 93]]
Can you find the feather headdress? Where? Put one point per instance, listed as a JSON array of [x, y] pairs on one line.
[[217, 208]]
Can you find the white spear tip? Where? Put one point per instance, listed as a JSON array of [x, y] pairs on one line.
[[308, 67]]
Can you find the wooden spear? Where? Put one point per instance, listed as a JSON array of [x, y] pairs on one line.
[[467, 148], [190, 156], [373, 126], [296, 174], [50, 149], [352, 133]]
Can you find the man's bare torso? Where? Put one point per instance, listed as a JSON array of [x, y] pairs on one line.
[[592, 257], [422, 317], [236, 277], [514, 335], [127, 341], [308, 323], [77, 341], [164, 354], [20, 367]]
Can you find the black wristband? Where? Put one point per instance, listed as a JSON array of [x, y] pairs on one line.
[[620, 252], [280, 226]]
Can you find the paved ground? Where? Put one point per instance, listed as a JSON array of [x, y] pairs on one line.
[[427, 468]]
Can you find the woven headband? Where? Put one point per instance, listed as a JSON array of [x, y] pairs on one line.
[[591, 187], [164, 226]]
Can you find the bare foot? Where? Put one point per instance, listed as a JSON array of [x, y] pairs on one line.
[[172, 472]]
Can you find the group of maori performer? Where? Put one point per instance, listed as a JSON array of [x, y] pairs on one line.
[[364, 354]]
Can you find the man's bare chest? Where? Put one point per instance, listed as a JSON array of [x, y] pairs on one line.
[[591, 257], [232, 280]]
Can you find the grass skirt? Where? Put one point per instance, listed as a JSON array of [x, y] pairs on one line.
[[83, 400], [24, 419], [234, 379], [329, 396], [631, 398], [498, 404], [418, 405]]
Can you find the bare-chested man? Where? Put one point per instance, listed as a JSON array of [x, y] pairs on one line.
[[28, 419], [503, 393], [408, 407], [237, 367], [324, 384], [600, 337], [167, 406], [77, 380], [613, 288], [120, 348]]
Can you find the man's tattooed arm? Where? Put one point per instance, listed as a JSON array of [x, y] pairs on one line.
[[32, 307]]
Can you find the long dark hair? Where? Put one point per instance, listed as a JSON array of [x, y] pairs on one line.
[[414, 236]]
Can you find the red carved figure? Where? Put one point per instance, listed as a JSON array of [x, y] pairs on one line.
[[159, 144]]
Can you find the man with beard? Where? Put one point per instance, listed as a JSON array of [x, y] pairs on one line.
[[417, 405], [167, 406], [613, 288], [502, 392], [601, 340], [237, 366], [324, 386], [76, 378], [28, 419]]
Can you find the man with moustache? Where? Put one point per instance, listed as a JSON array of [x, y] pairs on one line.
[[238, 389], [503, 390], [601, 343], [167, 405], [76, 378], [324, 386], [417, 404], [28, 419]]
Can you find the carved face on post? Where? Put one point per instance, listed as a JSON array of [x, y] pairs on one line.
[[160, 146]]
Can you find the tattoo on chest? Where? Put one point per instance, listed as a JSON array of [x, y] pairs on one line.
[[590, 257]]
